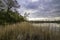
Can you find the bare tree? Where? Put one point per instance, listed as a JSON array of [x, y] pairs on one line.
[[10, 4], [26, 15]]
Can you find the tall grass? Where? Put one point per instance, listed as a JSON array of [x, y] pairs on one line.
[[26, 31]]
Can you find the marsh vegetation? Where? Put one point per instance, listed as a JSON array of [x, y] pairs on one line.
[[26, 31]]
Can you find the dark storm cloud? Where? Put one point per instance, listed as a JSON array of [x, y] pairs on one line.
[[32, 6], [45, 8]]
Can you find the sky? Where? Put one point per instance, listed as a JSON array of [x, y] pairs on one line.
[[40, 8]]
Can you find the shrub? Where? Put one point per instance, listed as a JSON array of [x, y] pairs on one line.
[[11, 17]]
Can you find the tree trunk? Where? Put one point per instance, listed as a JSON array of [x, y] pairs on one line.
[[8, 10]]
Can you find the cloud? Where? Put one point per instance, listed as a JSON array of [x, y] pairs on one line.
[[35, 0], [41, 8]]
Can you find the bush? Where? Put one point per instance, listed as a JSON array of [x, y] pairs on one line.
[[11, 17]]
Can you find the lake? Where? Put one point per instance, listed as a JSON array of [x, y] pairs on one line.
[[51, 26]]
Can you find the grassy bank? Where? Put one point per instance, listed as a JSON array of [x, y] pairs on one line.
[[25, 31]]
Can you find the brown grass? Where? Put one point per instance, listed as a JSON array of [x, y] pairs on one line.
[[23, 31]]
